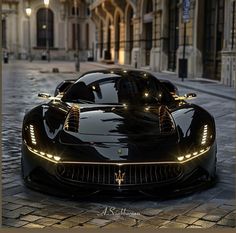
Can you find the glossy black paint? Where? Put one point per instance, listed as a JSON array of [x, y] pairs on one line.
[[115, 133]]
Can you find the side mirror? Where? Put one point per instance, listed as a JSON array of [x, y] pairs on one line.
[[44, 95], [63, 86], [190, 95]]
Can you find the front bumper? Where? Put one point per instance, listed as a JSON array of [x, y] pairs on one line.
[[41, 174]]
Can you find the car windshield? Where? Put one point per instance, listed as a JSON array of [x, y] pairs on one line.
[[118, 88]]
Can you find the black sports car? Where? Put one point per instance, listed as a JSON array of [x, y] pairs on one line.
[[118, 131]]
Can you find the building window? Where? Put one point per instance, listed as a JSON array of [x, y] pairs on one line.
[[88, 12], [117, 36], [173, 42], [149, 7], [75, 10], [4, 36], [220, 25], [44, 27], [130, 31], [74, 36], [101, 39], [87, 36], [233, 29], [213, 38]]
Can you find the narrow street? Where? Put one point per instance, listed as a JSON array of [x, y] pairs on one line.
[[22, 207]]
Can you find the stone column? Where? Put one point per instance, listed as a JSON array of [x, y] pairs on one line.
[[197, 55], [105, 47], [136, 51], [228, 68], [100, 43], [164, 35], [112, 42], [122, 44], [155, 51]]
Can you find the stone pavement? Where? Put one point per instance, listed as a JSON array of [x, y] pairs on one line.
[[22, 207]]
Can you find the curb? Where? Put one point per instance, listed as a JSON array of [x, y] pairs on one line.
[[204, 91]]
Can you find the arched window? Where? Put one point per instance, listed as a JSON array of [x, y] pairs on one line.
[[44, 27]]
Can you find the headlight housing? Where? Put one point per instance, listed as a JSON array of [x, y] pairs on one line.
[[32, 135], [44, 155], [187, 157], [203, 144], [205, 135], [31, 141]]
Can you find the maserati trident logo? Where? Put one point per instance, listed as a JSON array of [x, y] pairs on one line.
[[119, 177], [119, 151]]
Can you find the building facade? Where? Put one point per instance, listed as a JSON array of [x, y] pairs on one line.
[[150, 33], [53, 26]]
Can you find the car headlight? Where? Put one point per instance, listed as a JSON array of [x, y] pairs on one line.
[[201, 149], [44, 155], [32, 135], [205, 135], [187, 157], [32, 145]]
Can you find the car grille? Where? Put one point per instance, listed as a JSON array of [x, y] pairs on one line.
[[110, 174]]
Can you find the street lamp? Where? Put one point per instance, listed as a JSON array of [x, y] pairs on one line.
[[46, 3], [77, 64], [28, 13]]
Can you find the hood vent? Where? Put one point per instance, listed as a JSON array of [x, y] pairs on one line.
[[72, 120], [167, 125]]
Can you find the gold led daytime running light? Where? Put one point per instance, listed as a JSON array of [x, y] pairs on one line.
[[180, 158], [204, 137], [49, 157], [32, 135], [189, 156]]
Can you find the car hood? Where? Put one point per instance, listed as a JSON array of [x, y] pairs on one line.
[[118, 132], [122, 132], [119, 120]]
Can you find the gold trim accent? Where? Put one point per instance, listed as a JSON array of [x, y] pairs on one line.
[[118, 164], [46, 158], [137, 163]]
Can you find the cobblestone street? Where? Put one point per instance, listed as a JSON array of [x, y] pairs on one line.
[[22, 207]]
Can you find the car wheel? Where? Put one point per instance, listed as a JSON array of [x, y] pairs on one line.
[[212, 177]]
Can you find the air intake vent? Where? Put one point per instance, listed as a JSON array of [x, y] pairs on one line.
[[72, 119], [166, 122]]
